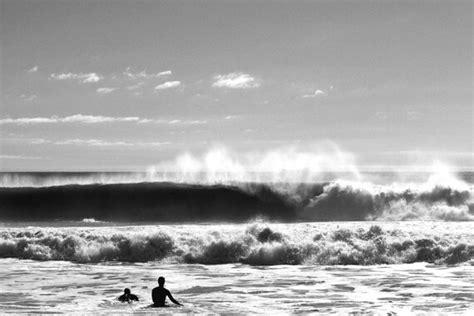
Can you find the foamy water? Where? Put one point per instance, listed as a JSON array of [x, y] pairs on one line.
[[337, 267], [257, 243], [52, 286]]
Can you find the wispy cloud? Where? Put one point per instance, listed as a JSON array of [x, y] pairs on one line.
[[95, 119], [105, 90], [97, 142], [33, 69], [165, 73], [174, 121], [28, 97], [168, 85], [144, 75], [315, 94], [37, 141], [20, 157], [98, 119], [235, 80], [78, 118], [81, 77], [91, 142], [135, 86], [28, 120]]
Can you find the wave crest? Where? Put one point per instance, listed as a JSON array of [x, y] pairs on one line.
[[342, 201]]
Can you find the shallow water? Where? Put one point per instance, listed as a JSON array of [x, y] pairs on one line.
[[60, 286], [98, 260]]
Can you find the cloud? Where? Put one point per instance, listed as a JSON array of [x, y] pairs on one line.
[[105, 90], [78, 118], [235, 80], [144, 75], [28, 98], [81, 77], [165, 73], [92, 77], [151, 143], [135, 86], [174, 121], [95, 119], [98, 143], [38, 141], [20, 157], [32, 69], [27, 120], [317, 93], [168, 85], [65, 76], [91, 142]]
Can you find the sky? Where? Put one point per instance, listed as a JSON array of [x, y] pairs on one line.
[[124, 85]]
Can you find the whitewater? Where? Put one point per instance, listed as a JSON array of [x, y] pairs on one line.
[[377, 243]]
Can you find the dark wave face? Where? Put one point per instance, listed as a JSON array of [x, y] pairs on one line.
[[170, 202], [144, 202], [355, 243], [145, 197]]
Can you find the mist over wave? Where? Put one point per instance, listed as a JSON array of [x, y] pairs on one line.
[[254, 244], [290, 164], [321, 162], [287, 184]]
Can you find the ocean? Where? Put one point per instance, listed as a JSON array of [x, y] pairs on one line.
[[380, 243]]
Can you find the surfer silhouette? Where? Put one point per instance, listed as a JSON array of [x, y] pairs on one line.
[[127, 296], [159, 294]]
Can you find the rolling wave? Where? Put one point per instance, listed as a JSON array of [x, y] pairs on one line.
[[174, 202], [143, 202]]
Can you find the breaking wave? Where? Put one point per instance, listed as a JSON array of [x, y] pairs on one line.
[[239, 202], [349, 201], [253, 244]]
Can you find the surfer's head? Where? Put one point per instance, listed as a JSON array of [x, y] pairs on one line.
[[161, 281], [126, 291]]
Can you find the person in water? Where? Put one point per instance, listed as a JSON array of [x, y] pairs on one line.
[[159, 294], [127, 296]]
